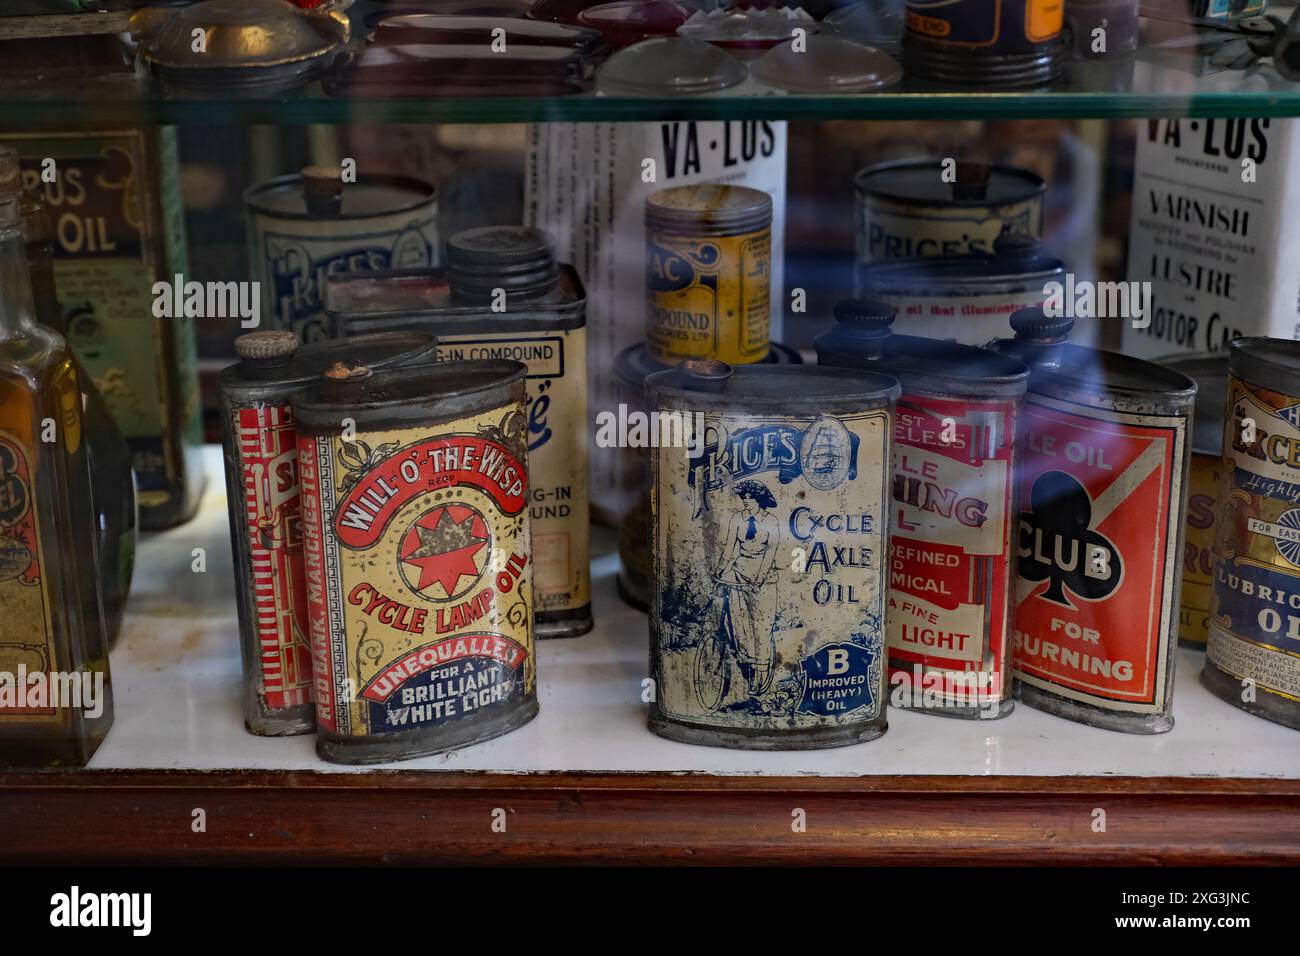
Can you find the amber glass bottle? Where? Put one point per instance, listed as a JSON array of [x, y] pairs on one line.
[[116, 514], [55, 698]]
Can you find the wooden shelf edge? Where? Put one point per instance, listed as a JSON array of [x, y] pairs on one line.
[[265, 817]]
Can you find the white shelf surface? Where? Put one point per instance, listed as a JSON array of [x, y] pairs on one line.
[[176, 678]]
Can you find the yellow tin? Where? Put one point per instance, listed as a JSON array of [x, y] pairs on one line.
[[708, 274]]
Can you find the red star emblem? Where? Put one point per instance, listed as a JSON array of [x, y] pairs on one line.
[[444, 545]]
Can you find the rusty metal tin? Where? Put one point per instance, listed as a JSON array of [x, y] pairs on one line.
[[1209, 370], [1105, 448], [906, 209], [308, 226], [1011, 43], [543, 325], [264, 498], [768, 533], [967, 298], [418, 558], [953, 511], [1252, 658], [708, 273], [632, 367]]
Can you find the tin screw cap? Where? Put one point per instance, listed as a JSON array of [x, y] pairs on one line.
[[704, 375], [266, 348], [519, 259], [322, 190], [1034, 325], [864, 318]]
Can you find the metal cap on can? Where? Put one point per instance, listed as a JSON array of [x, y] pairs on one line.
[[518, 259], [704, 375], [716, 208], [864, 318], [1035, 325], [322, 191], [1017, 245], [267, 348]]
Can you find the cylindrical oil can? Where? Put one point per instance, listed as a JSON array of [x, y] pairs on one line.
[[1009, 43], [417, 557], [968, 298], [1105, 443], [952, 514], [263, 495], [1209, 370], [769, 532], [628, 427], [540, 320], [304, 227], [1253, 656], [906, 209], [708, 273]]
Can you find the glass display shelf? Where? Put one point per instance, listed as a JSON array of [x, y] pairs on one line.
[[586, 780], [1169, 78]]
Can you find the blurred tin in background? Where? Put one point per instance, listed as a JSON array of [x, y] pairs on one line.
[[906, 209], [119, 228], [1011, 43], [1210, 373], [310, 225], [632, 477], [504, 295], [1253, 654], [265, 502], [951, 560], [768, 530]]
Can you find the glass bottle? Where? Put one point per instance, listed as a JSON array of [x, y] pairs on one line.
[[55, 697], [110, 459]]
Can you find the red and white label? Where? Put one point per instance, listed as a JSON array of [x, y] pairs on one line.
[[268, 454], [951, 521], [1096, 580]]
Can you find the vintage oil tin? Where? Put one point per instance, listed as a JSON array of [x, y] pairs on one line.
[[769, 532], [119, 228], [542, 323], [953, 510], [708, 273], [905, 209], [417, 556], [1210, 373], [631, 368], [264, 498], [1253, 656], [968, 298], [304, 227], [1103, 491], [1009, 43]]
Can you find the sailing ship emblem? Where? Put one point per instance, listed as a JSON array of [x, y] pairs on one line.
[[826, 454]]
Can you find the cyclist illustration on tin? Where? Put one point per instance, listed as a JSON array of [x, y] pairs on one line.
[[742, 643]]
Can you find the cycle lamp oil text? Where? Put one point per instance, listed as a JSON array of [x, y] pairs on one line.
[[708, 273], [1009, 43], [953, 515], [906, 209], [1210, 373], [417, 557], [769, 538], [543, 325], [1103, 476], [305, 227], [263, 495], [1253, 656]]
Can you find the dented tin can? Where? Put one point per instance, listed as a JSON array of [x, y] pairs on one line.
[[1210, 373], [1253, 656], [542, 322], [708, 273], [953, 511], [632, 367], [906, 209], [1011, 43], [418, 559], [263, 495], [769, 529], [968, 298], [307, 226], [1103, 491]]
